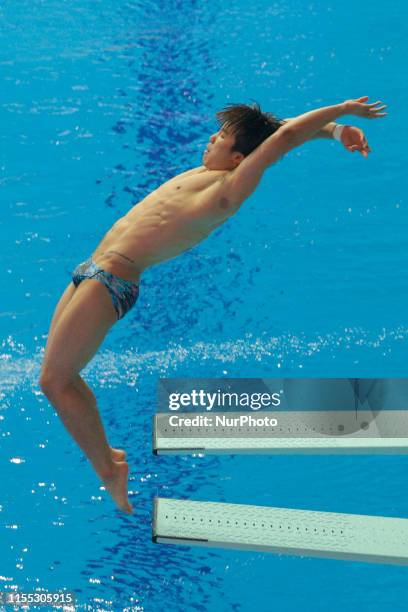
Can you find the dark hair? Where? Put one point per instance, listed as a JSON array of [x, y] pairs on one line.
[[249, 125]]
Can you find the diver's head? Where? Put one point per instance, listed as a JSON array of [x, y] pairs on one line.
[[242, 129]]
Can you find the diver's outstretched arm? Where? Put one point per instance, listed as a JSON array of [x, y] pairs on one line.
[[352, 137], [305, 126], [243, 180], [325, 132]]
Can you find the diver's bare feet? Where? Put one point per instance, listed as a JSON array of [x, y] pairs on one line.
[[118, 454], [116, 485]]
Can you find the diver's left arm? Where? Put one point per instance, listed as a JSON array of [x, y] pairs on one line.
[[351, 137], [325, 132]]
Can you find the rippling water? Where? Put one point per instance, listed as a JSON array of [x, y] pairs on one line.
[[101, 102]]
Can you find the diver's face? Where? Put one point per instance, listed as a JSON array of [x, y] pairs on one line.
[[218, 154]]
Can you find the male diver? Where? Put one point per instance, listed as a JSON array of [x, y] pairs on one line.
[[173, 218]]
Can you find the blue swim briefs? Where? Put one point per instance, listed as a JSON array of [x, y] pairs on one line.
[[123, 293]]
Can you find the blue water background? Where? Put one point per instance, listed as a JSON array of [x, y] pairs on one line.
[[101, 102]]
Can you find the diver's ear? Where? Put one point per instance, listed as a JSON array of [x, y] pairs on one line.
[[238, 157]]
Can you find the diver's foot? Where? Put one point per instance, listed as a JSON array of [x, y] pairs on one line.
[[116, 485], [118, 454]]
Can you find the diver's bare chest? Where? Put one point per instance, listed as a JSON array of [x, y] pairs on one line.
[[190, 183], [172, 197]]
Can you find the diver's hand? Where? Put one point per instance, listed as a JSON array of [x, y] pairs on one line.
[[360, 108], [354, 139]]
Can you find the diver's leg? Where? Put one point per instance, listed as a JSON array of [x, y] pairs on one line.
[[62, 303], [117, 454], [75, 339]]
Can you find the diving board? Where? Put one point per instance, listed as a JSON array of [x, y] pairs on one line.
[[385, 432], [353, 537]]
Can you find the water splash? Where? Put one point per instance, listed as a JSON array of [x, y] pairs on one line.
[[288, 352]]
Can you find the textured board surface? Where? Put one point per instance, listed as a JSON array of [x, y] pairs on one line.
[[281, 530]]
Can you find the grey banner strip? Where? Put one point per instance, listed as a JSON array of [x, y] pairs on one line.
[[288, 424]]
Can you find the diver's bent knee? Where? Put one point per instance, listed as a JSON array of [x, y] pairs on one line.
[[52, 382]]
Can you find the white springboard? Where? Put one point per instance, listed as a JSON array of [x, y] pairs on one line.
[[281, 530]]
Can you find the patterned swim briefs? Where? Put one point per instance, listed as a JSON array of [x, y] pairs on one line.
[[123, 293]]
